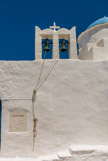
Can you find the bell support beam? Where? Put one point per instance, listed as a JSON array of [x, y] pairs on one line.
[[55, 54], [73, 44], [38, 43]]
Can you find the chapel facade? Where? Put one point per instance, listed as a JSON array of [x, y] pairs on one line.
[[57, 105]]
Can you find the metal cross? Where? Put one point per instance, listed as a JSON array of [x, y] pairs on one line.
[[54, 27]]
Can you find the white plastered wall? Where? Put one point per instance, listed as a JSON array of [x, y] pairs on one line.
[[71, 107], [95, 40]]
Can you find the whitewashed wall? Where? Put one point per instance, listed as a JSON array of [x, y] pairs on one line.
[[93, 43], [72, 105]]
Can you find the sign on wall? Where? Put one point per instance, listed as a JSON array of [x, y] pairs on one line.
[[17, 122]]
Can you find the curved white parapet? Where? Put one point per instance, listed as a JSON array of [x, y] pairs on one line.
[[97, 39]]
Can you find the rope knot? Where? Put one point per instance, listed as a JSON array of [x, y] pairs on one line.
[[35, 124], [34, 96]]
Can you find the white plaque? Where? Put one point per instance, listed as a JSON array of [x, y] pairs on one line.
[[17, 122]]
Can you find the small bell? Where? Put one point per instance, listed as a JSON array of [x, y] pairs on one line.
[[46, 47], [63, 46]]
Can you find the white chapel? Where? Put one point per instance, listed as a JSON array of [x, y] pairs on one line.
[[56, 108]]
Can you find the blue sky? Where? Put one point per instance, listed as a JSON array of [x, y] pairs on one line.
[[18, 19]]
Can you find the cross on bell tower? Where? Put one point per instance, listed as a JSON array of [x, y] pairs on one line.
[[54, 27]]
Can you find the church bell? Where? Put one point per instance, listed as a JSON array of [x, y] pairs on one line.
[[63, 46], [46, 47]]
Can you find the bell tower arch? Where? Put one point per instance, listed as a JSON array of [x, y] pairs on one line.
[[54, 35]]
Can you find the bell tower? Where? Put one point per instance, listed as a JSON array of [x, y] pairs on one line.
[[55, 34]]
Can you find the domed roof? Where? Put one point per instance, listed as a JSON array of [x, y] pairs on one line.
[[98, 22]]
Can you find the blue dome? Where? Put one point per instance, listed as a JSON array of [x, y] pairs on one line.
[[98, 22]]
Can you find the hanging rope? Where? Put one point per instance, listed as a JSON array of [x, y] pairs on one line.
[[46, 76], [33, 101], [34, 96], [41, 71]]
